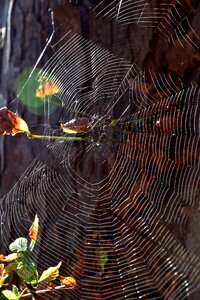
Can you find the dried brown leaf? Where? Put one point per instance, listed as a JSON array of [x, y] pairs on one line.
[[11, 123]]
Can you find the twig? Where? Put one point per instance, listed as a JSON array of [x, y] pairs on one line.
[[43, 292]]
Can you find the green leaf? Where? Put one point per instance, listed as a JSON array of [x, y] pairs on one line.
[[15, 290], [50, 274], [19, 245], [103, 258], [10, 295], [27, 270]]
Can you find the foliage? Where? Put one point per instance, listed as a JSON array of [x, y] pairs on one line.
[[21, 262]]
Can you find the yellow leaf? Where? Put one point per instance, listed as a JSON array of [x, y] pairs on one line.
[[11, 123], [33, 231], [50, 274], [68, 281]]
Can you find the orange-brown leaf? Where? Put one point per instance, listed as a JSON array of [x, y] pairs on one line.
[[3, 275], [46, 88], [11, 123], [78, 125], [68, 281], [9, 258], [33, 231]]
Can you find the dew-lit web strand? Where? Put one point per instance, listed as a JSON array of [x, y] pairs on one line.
[[69, 67], [165, 13], [136, 12], [71, 64]]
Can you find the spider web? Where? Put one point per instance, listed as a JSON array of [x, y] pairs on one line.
[[114, 207]]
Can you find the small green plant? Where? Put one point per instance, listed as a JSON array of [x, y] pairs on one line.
[[21, 262]]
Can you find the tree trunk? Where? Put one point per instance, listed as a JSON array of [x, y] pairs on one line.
[[28, 24]]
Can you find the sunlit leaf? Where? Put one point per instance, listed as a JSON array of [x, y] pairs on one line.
[[9, 258], [78, 125], [10, 295], [33, 231], [27, 270], [46, 88], [19, 245], [68, 281], [11, 123], [50, 274]]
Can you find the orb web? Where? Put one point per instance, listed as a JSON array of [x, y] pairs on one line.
[[114, 206]]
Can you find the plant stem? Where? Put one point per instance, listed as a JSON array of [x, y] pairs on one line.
[[57, 138]]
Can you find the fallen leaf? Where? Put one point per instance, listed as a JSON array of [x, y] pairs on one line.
[[46, 88], [78, 125], [11, 123], [68, 281], [33, 231]]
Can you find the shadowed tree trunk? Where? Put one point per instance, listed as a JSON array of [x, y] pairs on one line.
[[24, 28]]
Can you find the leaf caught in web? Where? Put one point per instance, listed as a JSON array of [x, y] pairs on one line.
[[11, 123], [33, 231], [102, 257], [78, 125], [46, 88], [50, 274]]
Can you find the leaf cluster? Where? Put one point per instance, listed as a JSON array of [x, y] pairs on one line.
[[20, 261]]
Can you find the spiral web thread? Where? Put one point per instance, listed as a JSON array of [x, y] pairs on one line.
[[113, 207]]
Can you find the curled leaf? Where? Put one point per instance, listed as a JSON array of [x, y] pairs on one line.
[[33, 231], [50, 274], [11, 123], [78, 125], [9, 258], [46, 88], [68, 281]]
